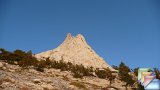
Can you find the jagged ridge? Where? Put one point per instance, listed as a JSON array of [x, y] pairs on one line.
[[77, 51]]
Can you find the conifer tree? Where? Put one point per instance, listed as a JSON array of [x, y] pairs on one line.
[[125, 76]]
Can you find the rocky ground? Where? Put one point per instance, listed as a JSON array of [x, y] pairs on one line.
[[13, 77]]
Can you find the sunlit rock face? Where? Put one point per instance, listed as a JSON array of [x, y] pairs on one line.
[[77, 51]]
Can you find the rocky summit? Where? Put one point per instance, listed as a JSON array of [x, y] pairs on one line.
[[77, 51]]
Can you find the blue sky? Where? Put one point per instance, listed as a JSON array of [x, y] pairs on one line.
[[125, 30]]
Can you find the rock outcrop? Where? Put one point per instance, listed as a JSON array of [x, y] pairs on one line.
[[77, 51]]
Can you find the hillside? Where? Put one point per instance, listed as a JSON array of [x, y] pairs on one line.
[[13, 77]]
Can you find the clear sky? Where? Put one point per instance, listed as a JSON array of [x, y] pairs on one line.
[[118, 30]]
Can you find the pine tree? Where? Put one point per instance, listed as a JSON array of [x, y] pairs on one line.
[[125, 76]]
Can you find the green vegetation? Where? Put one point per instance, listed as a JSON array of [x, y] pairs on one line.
[[79, 71], [125, 76], [106, 74], [101, 73], [24, 59], [110, 76]]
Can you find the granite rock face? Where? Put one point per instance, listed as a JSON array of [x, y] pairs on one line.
[[77, 51]]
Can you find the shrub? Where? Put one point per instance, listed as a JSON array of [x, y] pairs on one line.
[[19, 55], [101, 73], [42, 64], [77, 74], [62, 65], [79, 71], [39, 68], [70, 66], [22, 58], [48, 63], [110, 76], [4, 54], [26, 62]]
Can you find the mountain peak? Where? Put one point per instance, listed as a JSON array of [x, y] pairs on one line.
[[69, 35], [78, 36], [77, 51]]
